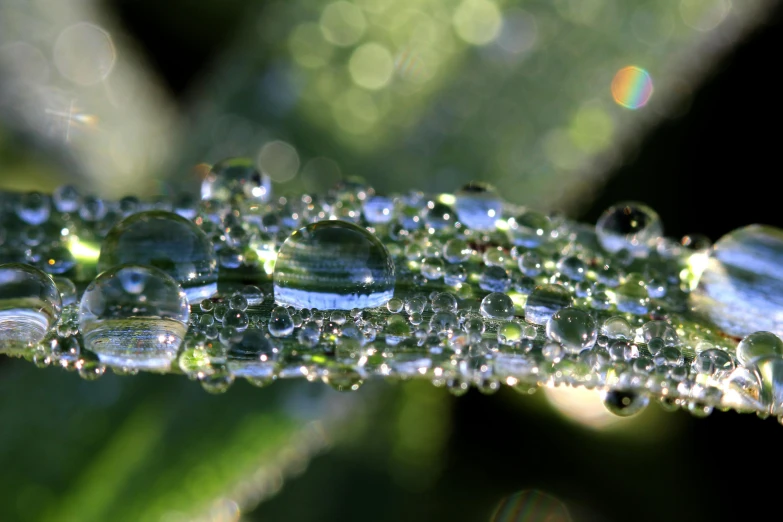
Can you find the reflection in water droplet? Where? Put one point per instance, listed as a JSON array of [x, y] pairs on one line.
[[251, 354], [166, 241], [30, 305], [624, 403], [574, 329], [478, 206], [333, 265], [758, 344], [497, 305], [629, 226], [531, 506], [236, 179], [544, 301], [134, 316], [741, 288]]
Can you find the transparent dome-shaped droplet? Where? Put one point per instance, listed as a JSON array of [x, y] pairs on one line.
[[67, 290], [495, 279], [66, 199], [530, 264], [456, 250], [432, 268], [236, 179], [442, 302], [769, 369], [530, 229], [758, 344], [713, 362], [378, 210], [741, 287], [662, 330], [280, 322], [134, 316], [478, 206], [497, 305], [624, 403], [33, 208], [343, 379], [30, 305], [333, 265], [573, 328], [629, 226], [544, 301], [617, 328], [632, 298], [438, 216], [168, 242], [251, 354], [572, 267]]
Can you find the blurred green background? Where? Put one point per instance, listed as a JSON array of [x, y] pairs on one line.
[[125, 97]]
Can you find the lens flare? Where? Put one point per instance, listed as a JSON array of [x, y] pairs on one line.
[[632, 87]]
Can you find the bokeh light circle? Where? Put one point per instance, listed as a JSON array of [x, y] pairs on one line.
[[84, 53], [632, 87]]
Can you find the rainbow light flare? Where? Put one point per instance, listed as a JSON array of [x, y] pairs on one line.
[[632, 87]]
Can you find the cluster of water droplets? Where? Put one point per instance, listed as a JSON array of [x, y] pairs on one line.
[[462, 289]]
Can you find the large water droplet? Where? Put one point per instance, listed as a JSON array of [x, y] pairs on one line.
[[30, 305], [544, 301], [333, 265], [573, 328], [478, 206], [629, 226], [168, 242], [758, 344], [134, 316], [770, 371], [741, 288], [236, 178]]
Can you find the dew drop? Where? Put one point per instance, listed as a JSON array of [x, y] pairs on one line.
[[544, 301], [252, 355], [741, 287], [624, 403], [629, 226], [30, 306], [333, 265], [236, 179], [134, 316], [572, 328], [758, 344], [478, 206], [280, 322], [168, 242], [497, 305]]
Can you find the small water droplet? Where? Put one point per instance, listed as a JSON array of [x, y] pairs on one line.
[[236, 179], [497, 305], [572, 328], [624, 403]]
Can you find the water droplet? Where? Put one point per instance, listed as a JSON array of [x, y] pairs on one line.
[[343, 379], [661, 330], [168, 242], [617, 328], [713, 362], [573, 328], [134, 316], [378, 210], [530, 264], [478, 206], [333, 265], [33, 208], [456, 251], [741, 288], [758, 344], [497, 305], [629, 226], [251, 354], [236, 178], [572, 267], [530, 229], [495, 279], [67, 289], [66, 199], [432, 268], [280, 322], [544, 301], [438, 216], [624, 403], [632, 297], [30, 305]]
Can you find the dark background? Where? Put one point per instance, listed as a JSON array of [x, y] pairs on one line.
[[708, 171]]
